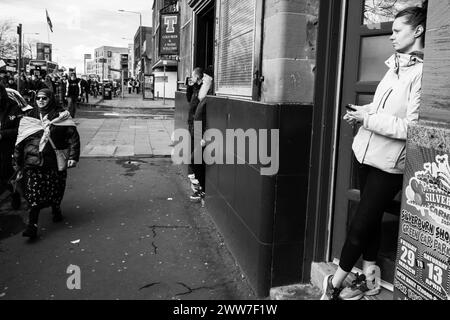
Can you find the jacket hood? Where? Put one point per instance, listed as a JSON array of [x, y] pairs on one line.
[[404, 60]]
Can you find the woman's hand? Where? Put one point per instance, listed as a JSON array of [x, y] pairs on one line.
[[349, 120], [357, 116]]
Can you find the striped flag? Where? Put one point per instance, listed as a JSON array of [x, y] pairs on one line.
[[50, 25]]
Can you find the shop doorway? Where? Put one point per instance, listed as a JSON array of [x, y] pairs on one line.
[[368, 27], [204, 38]]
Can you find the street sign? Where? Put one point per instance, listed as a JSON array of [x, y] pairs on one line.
[[87, 56], [169, 37]]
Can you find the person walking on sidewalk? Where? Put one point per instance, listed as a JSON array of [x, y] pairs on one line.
[[10, 115], [379, 148], [73, 93], [138, 86], [84, 85], [129, 86], [47, 129]]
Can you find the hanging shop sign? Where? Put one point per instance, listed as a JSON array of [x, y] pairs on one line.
[[169, 36], [423, 255]]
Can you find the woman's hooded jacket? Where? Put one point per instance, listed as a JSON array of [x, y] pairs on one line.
[[381, 141], [33, 148]]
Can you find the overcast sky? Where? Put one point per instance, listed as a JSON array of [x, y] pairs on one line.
[[79, 26]]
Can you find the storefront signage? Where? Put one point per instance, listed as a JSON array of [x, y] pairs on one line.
[[423, 255], [169, 37], [44, 51]]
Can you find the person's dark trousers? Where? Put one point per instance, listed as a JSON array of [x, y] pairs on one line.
[[378, 189], [191, 133], [87, 97], [72, 105], [199, 169], [33, 215], [129, 90]]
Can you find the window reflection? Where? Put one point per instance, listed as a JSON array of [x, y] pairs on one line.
[[374, 52], [378, 11]]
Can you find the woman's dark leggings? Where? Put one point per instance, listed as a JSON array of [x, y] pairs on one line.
[[378, 189], [33, 216]]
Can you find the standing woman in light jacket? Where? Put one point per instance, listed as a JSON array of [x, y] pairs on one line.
[[379, 148]]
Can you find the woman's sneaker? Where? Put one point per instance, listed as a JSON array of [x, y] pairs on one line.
[[367, 284], [195, 185], [330, 292]]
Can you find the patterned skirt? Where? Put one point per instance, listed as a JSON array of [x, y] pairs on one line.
[[44, 187]]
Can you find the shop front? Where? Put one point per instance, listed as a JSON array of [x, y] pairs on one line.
[[291, 66], [257, 87]]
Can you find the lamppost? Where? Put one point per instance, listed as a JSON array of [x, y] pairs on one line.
[[140, 44], [19, 55]]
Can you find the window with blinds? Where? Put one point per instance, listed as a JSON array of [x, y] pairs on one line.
[[235, 47]]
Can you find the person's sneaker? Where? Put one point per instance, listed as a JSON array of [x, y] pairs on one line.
[[195, 185], [30, 231], [15, 201], [330, 292], [197, 196], [367, 284], [57, 215]]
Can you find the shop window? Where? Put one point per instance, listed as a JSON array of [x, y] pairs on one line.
[[235, 47]]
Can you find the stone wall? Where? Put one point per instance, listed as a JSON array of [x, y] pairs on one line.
[[436, 79], [289, 51]]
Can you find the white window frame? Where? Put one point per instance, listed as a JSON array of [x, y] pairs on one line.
[[236, 92]]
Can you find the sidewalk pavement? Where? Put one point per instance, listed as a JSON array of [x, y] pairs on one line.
[[132, 101], [129, 137]]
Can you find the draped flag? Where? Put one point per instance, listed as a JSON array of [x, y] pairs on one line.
[[50, 25]]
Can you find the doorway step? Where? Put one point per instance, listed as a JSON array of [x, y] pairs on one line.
[[313, 291]]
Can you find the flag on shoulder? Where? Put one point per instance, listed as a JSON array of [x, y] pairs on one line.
[[50, 25]]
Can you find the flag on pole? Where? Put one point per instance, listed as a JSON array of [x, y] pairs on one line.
[[50, 25]]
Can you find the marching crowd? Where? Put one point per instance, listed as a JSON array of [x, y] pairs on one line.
[[67, 90]]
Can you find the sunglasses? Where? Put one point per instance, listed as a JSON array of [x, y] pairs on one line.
[[41, 98]]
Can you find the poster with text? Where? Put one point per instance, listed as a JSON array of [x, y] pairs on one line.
[[423, 254]]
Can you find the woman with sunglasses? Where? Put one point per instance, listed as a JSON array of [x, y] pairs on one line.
[[47, 128]]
